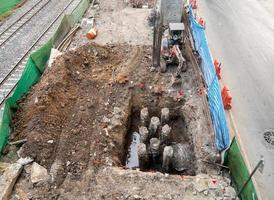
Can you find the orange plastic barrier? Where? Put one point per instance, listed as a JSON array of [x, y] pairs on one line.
[[202, 22], [217, 65], [92, 33], [194, 4], [227, 98]]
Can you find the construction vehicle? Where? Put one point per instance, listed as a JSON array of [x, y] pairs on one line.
[[171, 48], [169, 38]]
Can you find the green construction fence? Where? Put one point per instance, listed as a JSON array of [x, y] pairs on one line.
[[34, 68], [239, 172], [7, 5]]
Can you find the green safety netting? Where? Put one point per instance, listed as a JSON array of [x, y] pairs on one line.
[[239, 171], [7, 5], [34, 68]]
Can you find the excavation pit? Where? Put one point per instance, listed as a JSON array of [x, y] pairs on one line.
[[158, 140], [79, 120]]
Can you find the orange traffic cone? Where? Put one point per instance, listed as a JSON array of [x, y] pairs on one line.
[[217, 65], [92, 33], [227, 98]]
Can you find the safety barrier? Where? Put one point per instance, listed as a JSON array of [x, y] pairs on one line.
[[6, 6], [217, 66], [211, 71], [213, 88], [227, 98], [239, 172], [34, 68]]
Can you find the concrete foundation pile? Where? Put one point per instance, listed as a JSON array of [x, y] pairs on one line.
[[155, 147]]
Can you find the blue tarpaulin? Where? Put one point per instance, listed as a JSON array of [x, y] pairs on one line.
[[214, 95]]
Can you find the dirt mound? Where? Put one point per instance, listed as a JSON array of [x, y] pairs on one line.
[[59, 118]]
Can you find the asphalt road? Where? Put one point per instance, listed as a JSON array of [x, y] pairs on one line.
[[241, 35]]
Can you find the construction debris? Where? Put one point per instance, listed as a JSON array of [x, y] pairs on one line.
[[3, 166], [18, 142], [8, 179], [38, 173], [92, 33], [10, 175]]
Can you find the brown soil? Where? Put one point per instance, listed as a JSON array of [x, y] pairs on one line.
[[68, 106]]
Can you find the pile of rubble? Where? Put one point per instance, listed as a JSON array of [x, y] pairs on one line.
[[125, 184]]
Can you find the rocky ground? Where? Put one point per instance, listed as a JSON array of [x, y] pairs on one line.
[[76, 125]]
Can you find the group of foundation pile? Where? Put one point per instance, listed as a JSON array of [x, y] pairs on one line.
[[154, 146]]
